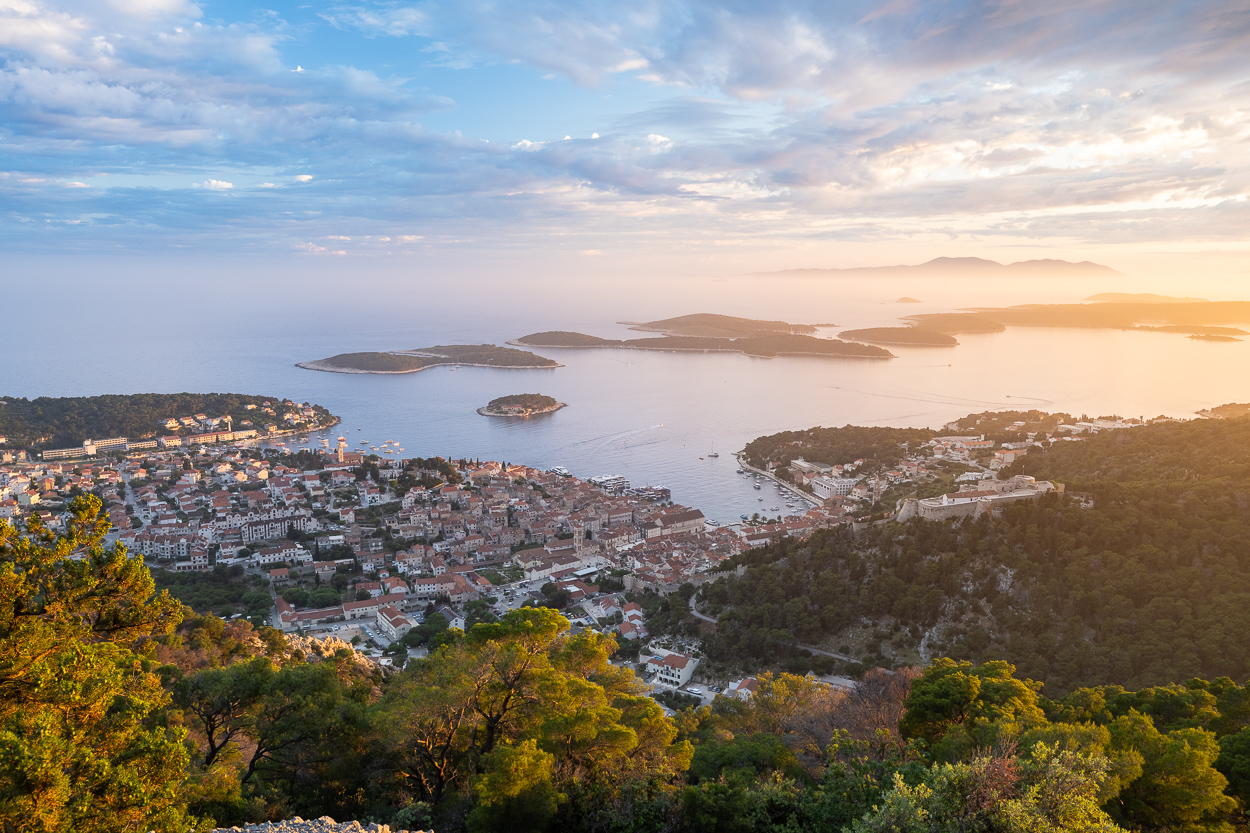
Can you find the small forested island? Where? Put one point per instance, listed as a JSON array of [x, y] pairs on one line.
[[712, 325], [765, 344], [421, 358], [910, 336], [521, 405], [51, 422]]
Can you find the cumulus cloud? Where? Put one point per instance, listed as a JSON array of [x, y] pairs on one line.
[[215, 185]]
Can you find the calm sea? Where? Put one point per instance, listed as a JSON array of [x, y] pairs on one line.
[[652, 417]]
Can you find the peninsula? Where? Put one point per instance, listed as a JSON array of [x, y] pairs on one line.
[[521, 405], [142, 420], [421, 358]]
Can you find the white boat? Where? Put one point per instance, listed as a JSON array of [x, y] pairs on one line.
[[756, 486]]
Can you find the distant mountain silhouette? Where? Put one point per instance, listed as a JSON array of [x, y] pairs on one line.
[[964, 267]]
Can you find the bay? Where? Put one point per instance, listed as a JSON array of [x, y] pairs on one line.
[[651, 417]]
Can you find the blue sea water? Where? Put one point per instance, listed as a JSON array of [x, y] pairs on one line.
[[652, 417]]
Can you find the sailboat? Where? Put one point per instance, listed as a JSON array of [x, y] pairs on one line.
[[713, 453]]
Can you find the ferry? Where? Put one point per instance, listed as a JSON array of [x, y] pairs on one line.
[[561, 471]]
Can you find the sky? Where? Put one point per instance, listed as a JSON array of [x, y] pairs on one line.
[[678, 136]]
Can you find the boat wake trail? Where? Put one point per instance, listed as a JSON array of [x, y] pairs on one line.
[[610, 439]]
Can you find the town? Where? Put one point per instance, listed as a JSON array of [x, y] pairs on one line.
[[386, 553]]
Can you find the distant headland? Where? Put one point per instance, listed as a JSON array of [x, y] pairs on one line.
[[421, 358], [521, 405], [1193, 317], [694, 333], [956, 267]]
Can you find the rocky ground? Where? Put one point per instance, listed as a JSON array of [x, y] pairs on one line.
[[325, 824]]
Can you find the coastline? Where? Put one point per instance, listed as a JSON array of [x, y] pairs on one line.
[[812, 500], [330, 368], [486, 412]]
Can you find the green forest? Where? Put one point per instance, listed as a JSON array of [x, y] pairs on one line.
[[121, 710], [56, 422], [880, 447], [422, 357], [1137, 576], [533, 401]]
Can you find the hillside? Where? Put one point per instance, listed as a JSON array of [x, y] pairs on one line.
[[1146, 581], [54, 422], [879, 447], [523, 724]]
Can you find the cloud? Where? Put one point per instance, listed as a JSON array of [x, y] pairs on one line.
[[401, 21], [859, 120]]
